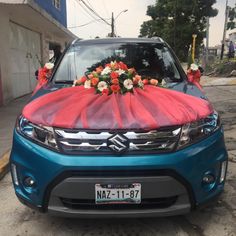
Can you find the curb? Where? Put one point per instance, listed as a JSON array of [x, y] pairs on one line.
[[218, 85], [4, 164]]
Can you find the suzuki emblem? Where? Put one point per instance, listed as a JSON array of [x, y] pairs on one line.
[[118, 143]]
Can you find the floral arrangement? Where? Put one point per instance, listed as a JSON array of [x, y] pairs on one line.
[[44, 73], [115, 77]]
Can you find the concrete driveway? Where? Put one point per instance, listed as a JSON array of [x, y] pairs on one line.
[[218, 219]]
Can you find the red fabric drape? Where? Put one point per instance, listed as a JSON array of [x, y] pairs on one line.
[[151, 108], [43, 75], [194, 78]]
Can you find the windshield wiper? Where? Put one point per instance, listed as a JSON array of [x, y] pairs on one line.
[[64, 82]]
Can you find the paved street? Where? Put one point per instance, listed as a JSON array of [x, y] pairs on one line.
[[8, 116], [216, 220]]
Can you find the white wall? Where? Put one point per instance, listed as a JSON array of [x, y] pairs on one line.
[[25, 16], [4, 56]]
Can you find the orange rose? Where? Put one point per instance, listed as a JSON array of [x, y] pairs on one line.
[[116, 66], [154, 82], [136, 79], [115, 81], [90, 76], [115, 88], [94, 81], [131, 70], [99, 69]]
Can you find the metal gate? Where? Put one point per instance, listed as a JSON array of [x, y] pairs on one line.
[[25, 54]]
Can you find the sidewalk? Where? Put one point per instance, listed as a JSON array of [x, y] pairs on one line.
[[216, 81], [8, 116]]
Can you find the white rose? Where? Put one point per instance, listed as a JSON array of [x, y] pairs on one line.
[[49, 65], [194, 67], [120, 72], [102, 85], [106, 71], [128, 84], [87, 84], [113, 63], [140, 83]]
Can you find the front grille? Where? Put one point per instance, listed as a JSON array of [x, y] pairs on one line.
[[89, 142], [149, 203]]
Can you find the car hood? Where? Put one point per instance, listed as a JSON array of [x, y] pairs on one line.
[[150, 108]]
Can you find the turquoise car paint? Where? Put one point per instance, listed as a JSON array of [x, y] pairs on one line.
[[191, 163]]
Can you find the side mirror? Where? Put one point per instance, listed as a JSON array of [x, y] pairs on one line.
[[36, 73]]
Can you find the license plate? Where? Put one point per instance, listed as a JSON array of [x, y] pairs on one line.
[[118, 193]]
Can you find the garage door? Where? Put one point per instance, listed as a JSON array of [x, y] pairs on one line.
[[25, 56]]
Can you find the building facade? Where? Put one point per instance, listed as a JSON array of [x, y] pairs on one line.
[[29, 30], [232, 37], [55, 8]]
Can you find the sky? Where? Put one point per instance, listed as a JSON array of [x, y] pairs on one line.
[[127, 24]]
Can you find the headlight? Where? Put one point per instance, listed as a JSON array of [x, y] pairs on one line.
[[195, 131], [40, 134]]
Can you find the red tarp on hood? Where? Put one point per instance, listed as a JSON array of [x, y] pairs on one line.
[[81, 108]]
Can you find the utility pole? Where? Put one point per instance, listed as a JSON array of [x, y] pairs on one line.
[[112, 26], [175, 16], [194, 47], [207, 39], [225, 28]]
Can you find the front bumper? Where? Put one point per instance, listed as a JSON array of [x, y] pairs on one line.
[[171, 183]]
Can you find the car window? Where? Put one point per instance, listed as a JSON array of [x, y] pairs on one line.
[[149, 60]]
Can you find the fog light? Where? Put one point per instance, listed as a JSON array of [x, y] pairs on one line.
[[223, 171], [29, 182], [14, 174], [208, 179]]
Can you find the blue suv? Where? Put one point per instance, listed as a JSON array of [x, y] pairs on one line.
[[119, 173]]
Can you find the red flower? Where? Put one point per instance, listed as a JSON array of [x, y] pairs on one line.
[[145, 81], [114, 75], [105, 92], [94, 81], [115, 88], [82, 79], [42, 76], [116, 66], [115, 81], [123, 66]]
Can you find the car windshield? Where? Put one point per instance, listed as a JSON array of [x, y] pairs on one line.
[[150, 60]]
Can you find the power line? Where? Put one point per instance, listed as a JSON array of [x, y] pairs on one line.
[[88, 12], [94, 12], [88, 23], [90, 4]]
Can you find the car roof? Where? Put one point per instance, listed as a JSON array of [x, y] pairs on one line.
[[117, 40]]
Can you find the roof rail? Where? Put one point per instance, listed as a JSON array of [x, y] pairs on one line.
[[158, 38], [75, 40]]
